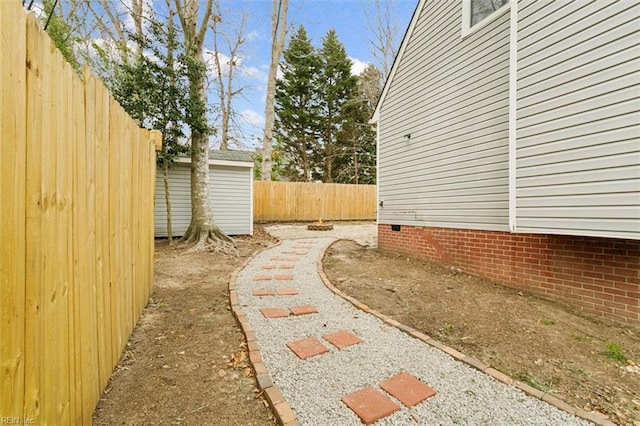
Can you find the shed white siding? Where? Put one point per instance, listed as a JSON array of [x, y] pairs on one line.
[[231, 191], [180, 198], [450, 94], [578, 118]]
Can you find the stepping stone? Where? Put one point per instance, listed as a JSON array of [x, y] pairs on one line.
[[263, 292], [342, 339], [285, 267], [301, 253], [291, 259], [262, 278], [276, 258], [268, 267], [370, 404], [286, 291], [407, 389], [274, 312], [304, 310], [288, 277], [307, 348]]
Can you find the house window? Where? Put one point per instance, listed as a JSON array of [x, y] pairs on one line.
[[477, 13]]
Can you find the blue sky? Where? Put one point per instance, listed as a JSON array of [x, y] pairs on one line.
[[347, 17]]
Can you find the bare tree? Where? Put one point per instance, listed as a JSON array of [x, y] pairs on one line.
[[384, 27], [278, 32], [225, 72], [202, 233]]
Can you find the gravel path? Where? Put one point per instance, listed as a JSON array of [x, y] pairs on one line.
[[363, 234], [314, 387]]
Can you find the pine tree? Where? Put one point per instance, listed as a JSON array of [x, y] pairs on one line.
[[337, 86], [296, 106], [357, 163]]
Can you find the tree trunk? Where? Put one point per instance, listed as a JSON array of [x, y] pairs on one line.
[[278, 31], [202, 234], [167, 201]]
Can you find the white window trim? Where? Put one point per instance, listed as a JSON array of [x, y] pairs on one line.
[[467, 29]]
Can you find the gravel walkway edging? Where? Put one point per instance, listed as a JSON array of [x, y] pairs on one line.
[[280, 408], [471, 361]]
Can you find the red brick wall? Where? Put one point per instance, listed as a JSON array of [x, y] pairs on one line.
[[599, 275]]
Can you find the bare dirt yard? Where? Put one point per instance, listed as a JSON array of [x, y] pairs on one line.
[[185, 363], [589, 363]]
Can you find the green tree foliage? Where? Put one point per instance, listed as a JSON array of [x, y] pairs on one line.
[[153, 88], [337, 88], [322, 114], [296, 105], [357, 162], [60, 32]]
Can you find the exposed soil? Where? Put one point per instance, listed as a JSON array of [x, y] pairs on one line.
[[587, 362], [185, 363]]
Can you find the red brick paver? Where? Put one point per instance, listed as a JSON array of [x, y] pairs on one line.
[[286, 291], [274, 312], [307, 348], [263, 292], [370, 404], [407, 389], [283, 277], [342, 339], [303, 310], [285, 267], [262, 278]]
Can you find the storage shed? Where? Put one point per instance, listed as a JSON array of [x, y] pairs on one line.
[[231, 192]]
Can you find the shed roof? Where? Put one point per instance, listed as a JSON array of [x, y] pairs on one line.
[[229, 155], [224, 158]]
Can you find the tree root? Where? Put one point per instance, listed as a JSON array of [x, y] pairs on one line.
[[208, 240]]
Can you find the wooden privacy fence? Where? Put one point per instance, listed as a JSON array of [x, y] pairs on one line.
[[76, 229], [303, 201]]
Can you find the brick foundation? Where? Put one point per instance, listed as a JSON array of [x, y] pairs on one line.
[[599, 275]]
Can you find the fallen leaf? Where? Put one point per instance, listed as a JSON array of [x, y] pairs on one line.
[[246, 372], [222, 373]]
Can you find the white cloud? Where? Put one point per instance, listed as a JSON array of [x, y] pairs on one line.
[[252, 118], [254, 72], [358, 66]]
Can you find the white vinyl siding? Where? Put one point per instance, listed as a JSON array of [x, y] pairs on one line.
[[578, 118], [451, 95], [179, 197], [232, 199], [230, 192]]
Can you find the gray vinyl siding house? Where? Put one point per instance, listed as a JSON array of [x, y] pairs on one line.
[[231, 191], [526, 123], [578, 123]]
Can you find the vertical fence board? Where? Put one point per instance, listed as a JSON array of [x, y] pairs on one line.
[[64, 237], [13, 117], [51, 341], [34, 306], [102, 279], [115, 134]]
